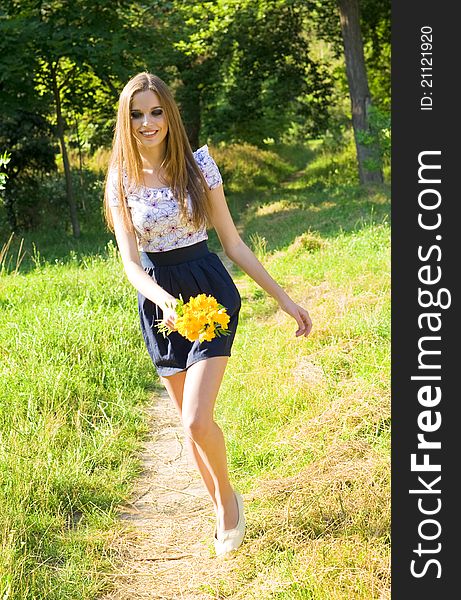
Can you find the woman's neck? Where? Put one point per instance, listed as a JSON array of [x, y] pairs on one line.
[[152, 158]]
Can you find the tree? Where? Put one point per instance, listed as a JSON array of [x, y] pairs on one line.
[[375, 20], [66, 52], [239, 70], [246, 70], [367, 150], [268, 77], [29, 138]]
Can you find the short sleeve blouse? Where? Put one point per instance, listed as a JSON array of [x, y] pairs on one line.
[[156, 214]]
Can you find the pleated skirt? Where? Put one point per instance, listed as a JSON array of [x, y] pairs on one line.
[[186, 271]]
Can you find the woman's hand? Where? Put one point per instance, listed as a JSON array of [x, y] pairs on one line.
[[300, 315], [169, 313]]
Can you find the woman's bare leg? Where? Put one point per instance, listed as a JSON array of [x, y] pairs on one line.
[[175, 386], [201, 387]]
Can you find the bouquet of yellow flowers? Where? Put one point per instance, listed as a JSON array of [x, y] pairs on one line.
[[201, 318]]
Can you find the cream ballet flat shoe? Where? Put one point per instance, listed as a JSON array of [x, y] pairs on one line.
[[230, 539]]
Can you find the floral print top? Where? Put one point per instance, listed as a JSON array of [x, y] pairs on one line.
[[155, 211]]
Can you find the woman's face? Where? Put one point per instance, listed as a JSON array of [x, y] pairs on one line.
[[148, 119]]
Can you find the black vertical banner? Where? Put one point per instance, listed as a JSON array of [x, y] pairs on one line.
[[426, 242]]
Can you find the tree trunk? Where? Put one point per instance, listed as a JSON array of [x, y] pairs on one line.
[[358, 89], [65, 158]]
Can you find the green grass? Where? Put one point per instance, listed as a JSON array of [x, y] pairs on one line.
[[306, 420], [74, 375]]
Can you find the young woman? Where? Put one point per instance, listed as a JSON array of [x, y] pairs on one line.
[[159, 199]]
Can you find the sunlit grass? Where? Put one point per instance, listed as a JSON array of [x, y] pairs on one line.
[[308, 421], [74, 376]]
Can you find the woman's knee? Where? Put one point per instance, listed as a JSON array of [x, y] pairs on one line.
[[197, 426]]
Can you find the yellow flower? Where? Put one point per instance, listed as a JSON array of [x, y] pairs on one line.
[[222, 318], [208, 334], [201, 318], [188, 327]]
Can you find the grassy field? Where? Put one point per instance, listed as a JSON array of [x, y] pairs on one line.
[[306, 421]]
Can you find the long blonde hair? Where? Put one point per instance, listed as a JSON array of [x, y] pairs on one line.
[[183, 173]]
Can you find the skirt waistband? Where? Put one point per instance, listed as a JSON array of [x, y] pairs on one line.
[[174, 257]]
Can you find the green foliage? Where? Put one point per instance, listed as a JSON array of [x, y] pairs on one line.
[[377, 137], [4, 160], [376, 32], [29, 137], [60, 60], [241, 71], [256, 71], [269, 79], [375, 22], [246, 167]]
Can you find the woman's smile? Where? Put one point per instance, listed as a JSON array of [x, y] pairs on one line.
[[149, 133]]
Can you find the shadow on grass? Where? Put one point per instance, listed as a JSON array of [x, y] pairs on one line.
[[328, 212], [55, 247]]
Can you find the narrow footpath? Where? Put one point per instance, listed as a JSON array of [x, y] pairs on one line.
[[166, 547]]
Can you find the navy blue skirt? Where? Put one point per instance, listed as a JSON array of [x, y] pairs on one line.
[[188, 271]]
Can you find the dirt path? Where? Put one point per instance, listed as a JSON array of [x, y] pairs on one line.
[[166, 549]]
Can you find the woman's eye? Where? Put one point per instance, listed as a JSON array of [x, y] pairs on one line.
[[137, 114]]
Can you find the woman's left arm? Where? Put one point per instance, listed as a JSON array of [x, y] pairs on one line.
[[239, 253]]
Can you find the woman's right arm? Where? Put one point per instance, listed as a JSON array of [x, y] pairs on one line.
[[126, 241]]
